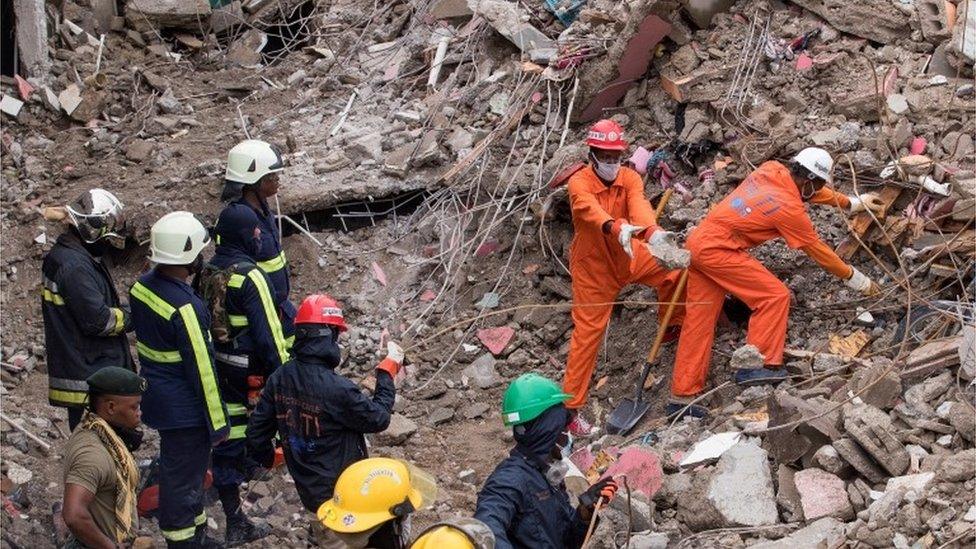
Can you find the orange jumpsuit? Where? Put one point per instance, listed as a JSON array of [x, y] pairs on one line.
[[600, 268], [766, 205]]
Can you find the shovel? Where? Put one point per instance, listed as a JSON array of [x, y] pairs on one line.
[[630, 411]]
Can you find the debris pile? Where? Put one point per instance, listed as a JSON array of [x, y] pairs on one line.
[[427, 145]]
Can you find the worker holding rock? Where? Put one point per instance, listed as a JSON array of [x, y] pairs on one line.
[[373, 501], [768, 204], [84, 321], [319, 415], [249, 345], [251, 178], [457, 533], [182, 400], [616, 242], [524, 502], [100, 473]]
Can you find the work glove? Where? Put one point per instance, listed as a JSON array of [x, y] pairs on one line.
[[866, 202], [605, 488], [860, 282], [626, 236], [393, 361], [664, 247]]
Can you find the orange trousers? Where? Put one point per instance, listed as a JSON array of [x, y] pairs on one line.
[[713, 274], [592, 295]]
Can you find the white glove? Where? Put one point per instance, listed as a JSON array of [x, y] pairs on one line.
[[627, 232], [664, 247], [394, 352], [867, 201], [861, 283]]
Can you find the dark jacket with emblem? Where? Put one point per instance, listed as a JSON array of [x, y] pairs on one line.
[[321, 417], [84, 320], [519, 504]]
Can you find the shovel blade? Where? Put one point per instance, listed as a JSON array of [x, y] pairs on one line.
[[626, 415]]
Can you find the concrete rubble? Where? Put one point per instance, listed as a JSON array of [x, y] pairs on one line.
[[442, 183]]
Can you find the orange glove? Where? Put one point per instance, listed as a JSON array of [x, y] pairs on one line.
[[605, 489], [393, 361]]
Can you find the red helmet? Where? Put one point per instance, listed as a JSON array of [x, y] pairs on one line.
[[607, 135], [321, 309]]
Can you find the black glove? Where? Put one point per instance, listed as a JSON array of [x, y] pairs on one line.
[[605, 488]]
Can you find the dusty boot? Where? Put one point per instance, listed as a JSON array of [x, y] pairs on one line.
[[679, 410], [762, 376], [203, 541], [241, 530]]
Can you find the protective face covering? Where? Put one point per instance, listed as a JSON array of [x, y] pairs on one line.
[[557, 472], [606, 171]]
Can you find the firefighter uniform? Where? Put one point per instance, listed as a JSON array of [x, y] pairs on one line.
[[182, 401], [84, 323]]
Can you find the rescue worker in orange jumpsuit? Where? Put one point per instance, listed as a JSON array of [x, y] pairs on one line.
[[768, 204], [610, 213]]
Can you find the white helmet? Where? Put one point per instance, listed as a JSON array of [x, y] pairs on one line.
[[177, 239], [817, 160], [97, 214], [251, 160]]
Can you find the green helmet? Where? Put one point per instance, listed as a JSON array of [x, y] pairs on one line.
[[528, 396]]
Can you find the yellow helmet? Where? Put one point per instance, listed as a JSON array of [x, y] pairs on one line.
[[373, 491], [459, 533]]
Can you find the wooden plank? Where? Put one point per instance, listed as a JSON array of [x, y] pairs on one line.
[[862, 222]]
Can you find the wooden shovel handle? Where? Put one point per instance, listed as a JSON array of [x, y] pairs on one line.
[[663, 202], [663, 325]]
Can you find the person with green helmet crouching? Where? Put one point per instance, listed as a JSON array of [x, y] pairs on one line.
[[524, 502]]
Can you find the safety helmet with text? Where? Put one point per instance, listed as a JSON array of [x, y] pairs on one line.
[[321, 309], [177, 239], [251, 160], [606, 135], [376, 490], [817, 161], [97, 214], [458, 533]]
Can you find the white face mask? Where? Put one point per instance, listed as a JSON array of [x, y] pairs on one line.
[[557, 472], [606, 171]]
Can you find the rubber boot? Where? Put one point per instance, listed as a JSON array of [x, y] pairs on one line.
[[760, 376], [679, 410], [203, 541], [241, 530]]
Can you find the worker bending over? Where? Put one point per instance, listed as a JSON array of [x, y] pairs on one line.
[[768, 204], [610, 214], [251, 178], [320, 415], [372, 504], [182, 400], [524, 502], [84, 320]]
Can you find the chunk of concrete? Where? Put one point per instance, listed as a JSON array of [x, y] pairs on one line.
[[827, 458], [32, 36], [897, 103], [914, 483], [859, 460], [400, 429], [824, 532], [710, 449], [872, 430], [880, 383], [145, 15], [876, 20], [481, 373], [958, 467], [822, 494], [747, 357], [741, 489]]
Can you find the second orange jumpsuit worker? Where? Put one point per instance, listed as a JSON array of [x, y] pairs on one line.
[[609, 213], [768, 204]]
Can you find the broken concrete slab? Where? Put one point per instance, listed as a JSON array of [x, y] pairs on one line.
[[507, 19], [481, 373], [877, 384], [826, 532], [910, 483], [786, 495], [741, 489], [10, 105], [876, 20], [872, 430], [961, 52], [400, 429], [710, 449], [145, 15], [828, 458], [448, 9], [32, 36], [859, 460], [642, 467], [822, 494]]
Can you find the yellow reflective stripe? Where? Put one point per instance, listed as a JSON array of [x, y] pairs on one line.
[[236, 281], [157, 356], [238, 431], [70, 397], [52, 297], [236, 409], [200, 519], [289, 342], [271, 312], [119, 321], [237, 320], [274, 264], [151, 300], [181, 534], [204, 367]]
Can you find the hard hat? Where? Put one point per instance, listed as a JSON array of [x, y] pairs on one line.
[[97, 214], [528, 396], [373, 491], [321, 309], [817, 160], [251, 160], [177, 239], [607, 135], [459, 533]]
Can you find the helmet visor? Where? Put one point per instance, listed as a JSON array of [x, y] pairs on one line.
[[424, 484]]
